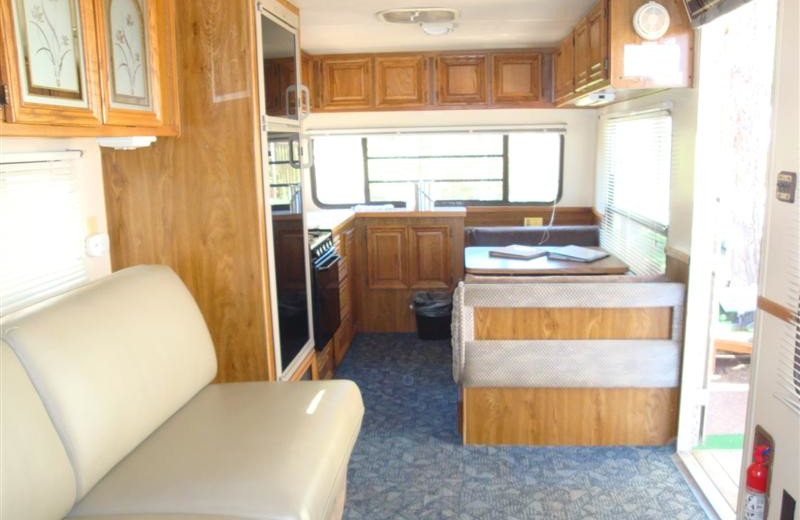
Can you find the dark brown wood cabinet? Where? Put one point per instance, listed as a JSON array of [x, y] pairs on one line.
[[462, 79], [597, 54], [346, 82], [580, 59], [404, 252], [517, 77], [401, 81], [429, 257], [386, 257], [565, 69]]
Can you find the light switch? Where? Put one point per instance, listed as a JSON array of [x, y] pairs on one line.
[[97, 245], [787, 186]]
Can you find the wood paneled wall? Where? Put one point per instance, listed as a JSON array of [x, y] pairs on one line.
[[195, 202], [570, 416], [515, 215]]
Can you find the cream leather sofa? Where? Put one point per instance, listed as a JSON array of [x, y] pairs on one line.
[[107, 413]]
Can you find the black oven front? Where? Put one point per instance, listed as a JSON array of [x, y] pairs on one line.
[[324, 286]]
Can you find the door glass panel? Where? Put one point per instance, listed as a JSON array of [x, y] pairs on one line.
[[286, 195], [127, 49], [50, 52], [280, 70]]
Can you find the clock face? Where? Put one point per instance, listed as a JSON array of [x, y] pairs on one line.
[[651, 21]]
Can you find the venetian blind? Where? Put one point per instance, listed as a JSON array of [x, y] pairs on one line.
[[789, 349], [41, 228], [636, 165]]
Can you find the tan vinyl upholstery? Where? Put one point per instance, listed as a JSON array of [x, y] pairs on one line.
[[250, 450], [112, 361], [36, 481]]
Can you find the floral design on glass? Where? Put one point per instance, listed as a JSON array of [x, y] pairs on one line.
[[127, 49], [53, 45]]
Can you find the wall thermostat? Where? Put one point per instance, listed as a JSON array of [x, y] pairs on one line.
[[787, 186]]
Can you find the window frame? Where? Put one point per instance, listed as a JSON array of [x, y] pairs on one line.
[[444, 203]]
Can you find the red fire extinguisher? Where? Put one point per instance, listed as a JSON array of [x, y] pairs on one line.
[[755, 496]]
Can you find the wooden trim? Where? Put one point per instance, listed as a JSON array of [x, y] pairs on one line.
[[598, 216], [572, 324], [290, 6], [677, 254], [570, 416], [310, 362], [517, 209], [777, 310]]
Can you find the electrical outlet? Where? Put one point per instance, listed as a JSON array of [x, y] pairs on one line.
[[534, 221]]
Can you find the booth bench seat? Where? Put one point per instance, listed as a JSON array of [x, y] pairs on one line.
[[108, 414], [587, 236]]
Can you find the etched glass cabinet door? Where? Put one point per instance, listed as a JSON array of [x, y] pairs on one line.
[[49, 62], [129, 59]]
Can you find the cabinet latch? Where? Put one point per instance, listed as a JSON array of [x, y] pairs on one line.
[[3, 94]]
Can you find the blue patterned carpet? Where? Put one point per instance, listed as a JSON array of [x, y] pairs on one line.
[[409, 462]]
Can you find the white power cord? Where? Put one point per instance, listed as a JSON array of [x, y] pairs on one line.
[[546, 235]]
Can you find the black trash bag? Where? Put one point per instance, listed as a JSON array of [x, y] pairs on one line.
[[433, 310]]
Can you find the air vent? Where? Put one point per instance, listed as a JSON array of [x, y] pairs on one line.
[[419, 15], [651, 21]]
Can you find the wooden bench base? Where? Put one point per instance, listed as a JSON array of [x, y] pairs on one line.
[[569, 416]]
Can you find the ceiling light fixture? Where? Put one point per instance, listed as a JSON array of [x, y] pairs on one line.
[[434, 21], [436, 29]]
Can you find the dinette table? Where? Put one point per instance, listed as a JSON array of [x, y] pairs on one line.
[[478, 261]]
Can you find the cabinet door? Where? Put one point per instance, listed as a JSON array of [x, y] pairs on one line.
[[401, 81], [129, 61], [49, 54], [564, 67], [429, 257], [346, 82], [461, 79], [581, 55], [597, 28], [517, 77], [386, 257]]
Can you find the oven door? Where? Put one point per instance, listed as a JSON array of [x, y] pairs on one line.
[[325, 273]]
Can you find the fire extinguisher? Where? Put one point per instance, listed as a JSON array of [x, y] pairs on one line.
[[755, 496]]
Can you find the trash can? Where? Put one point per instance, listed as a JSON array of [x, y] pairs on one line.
[[433, 310]]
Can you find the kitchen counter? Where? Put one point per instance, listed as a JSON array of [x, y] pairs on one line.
[[336, 219]]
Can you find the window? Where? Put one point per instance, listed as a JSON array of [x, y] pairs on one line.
[[463, 168], [637, 160], [41, 228]]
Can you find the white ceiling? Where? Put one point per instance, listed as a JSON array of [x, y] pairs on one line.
[[336, 26]]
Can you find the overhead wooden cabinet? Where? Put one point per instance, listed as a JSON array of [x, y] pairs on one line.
[[346, 82], [607, 53], [597, 40], [401, 81], [517, 78], [565, 69], [88, 67], [461, 79]]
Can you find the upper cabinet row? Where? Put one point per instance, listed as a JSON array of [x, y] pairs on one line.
[[603, 50], [88, 67], [429, 80]]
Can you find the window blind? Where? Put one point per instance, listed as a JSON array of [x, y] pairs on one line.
[[636, 165], [41, 228], [789, 349]]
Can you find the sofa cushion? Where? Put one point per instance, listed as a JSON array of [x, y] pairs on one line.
[[588, 236], [256, 450], [37, 481], [112, 361]]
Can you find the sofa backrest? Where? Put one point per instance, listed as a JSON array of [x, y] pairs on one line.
[[587, 236], [112, 361], [37, 481]]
